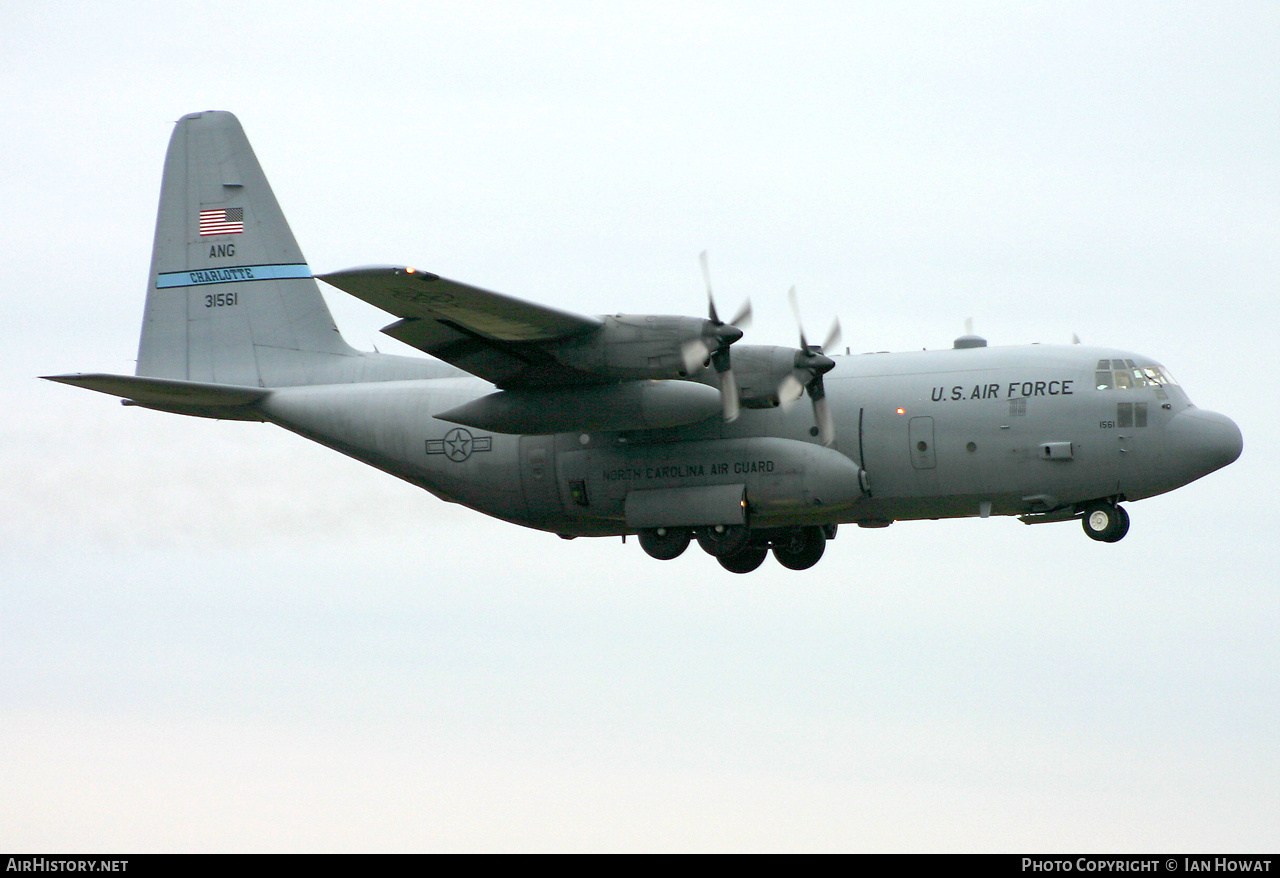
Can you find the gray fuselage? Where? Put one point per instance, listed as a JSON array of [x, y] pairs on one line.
[[949, 433]]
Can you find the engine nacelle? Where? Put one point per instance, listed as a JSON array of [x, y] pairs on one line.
[[760, 370], [634, 346]]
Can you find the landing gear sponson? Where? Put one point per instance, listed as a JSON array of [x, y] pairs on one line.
[[740, 549]]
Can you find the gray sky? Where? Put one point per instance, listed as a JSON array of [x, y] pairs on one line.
[[217, 636]]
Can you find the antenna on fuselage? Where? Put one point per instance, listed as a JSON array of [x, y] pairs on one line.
[[969, 340]]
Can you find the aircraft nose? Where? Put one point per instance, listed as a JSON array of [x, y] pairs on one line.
[[1207, 440]]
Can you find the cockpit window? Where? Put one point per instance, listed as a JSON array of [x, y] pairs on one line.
[[1126, 375]]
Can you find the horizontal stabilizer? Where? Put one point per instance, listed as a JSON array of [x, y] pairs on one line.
[[230, 402]]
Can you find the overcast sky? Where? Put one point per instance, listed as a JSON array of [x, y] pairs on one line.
[[217, 636]]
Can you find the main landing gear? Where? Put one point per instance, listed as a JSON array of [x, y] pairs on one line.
[[739, 549], [1105, 521], [665, 543], [800, 548]]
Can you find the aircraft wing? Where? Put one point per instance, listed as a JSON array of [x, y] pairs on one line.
[[488, 334]]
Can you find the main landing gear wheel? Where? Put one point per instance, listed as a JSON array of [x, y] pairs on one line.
[[665, 543], [802, 548], [723, 540], [1105, 522], [744, 560]]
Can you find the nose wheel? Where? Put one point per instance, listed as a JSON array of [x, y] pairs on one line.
[[1105, 522]]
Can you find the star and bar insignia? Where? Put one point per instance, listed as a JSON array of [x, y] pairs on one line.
[[458, 444]]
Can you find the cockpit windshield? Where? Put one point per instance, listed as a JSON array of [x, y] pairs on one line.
[[1125, 375]]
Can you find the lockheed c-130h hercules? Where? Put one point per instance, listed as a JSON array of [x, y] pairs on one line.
[[660, 426]]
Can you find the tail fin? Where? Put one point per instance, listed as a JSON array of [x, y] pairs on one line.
[[231, 299]]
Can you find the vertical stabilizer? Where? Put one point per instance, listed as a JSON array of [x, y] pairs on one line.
[[231, 300]]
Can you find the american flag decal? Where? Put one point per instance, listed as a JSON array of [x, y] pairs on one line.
[[223, 221]]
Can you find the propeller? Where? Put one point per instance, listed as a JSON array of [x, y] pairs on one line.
[[806, 377], [712, 347]]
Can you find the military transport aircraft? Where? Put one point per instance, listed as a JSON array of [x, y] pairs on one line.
[[653, 425]]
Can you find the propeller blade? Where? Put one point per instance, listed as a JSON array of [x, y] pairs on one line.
[[729, 395], [715, 342], [695, 353], [826, 423], [812, 364], [833, 336], [795, 309], [706, 279], [742, 319], [790, 391]]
